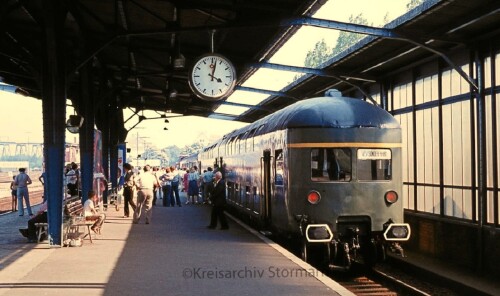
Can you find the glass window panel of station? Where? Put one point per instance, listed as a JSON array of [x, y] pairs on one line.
[[490, 154], [448, 201], [394, 100], [490, 207], [446, 84], [457, 82], [447, 145], [433, 87], [487, 72], [420, 145], [421, 198], [435, 161], [497, 69], [498, 137], [467, 198], [458, 203], [419, 91], [247, 97], [467, 143], [457, 135], [407, 99], [428, 138]]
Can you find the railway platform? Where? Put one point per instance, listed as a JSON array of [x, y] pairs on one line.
[[174, 255]]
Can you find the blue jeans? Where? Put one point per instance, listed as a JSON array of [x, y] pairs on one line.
[[175, 191], [167, 193], [22, 192]]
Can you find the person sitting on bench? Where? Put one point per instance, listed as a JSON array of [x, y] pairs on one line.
[[91, 214], [40, 217]]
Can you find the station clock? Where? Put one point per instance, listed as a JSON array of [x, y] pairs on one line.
[[212, 77]]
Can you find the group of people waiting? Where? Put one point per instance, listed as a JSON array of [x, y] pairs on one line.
[[152, 182]]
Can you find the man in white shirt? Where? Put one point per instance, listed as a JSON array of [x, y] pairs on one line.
[[91, 214], [145, 182]]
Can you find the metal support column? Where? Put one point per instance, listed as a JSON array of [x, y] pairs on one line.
[[86, 131], [54, 115], [481, 158]]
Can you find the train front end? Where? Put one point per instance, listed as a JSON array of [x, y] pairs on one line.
[[345, 185]]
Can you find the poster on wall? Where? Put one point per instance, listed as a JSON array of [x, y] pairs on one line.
[[100, 183], [121, 160]]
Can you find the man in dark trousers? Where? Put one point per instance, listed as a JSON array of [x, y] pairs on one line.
[[218, 197]]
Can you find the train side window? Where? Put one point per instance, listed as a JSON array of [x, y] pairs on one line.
[[374, 164], [331, 164], [279, 169]]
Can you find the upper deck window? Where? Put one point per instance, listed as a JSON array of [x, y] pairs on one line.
[[374, 164], [331, 164]]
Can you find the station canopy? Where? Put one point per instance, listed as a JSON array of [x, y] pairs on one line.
[[143, 50]]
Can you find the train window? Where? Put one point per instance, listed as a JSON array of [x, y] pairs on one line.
[[374, 164], [331, 164], [278, 174]]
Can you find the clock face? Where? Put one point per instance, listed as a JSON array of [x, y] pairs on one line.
[[212, 77]]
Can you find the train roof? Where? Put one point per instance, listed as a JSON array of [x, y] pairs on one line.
[[324, 112]]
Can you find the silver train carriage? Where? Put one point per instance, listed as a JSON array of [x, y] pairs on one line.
[[325, 171]]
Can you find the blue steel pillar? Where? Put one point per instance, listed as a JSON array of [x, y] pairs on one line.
[[54, 114], [87, 131]]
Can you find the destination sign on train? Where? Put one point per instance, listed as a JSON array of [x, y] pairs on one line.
[[366, 154]]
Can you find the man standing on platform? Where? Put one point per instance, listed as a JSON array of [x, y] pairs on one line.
[[22, 181], [146, 182], [218, 197]]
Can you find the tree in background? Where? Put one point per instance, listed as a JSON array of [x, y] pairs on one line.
[[322, 52], [414, 3], [348, 39]]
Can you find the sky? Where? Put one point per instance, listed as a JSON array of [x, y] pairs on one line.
[[21, 119]]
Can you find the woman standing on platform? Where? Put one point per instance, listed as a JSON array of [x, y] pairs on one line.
[[193, 189]]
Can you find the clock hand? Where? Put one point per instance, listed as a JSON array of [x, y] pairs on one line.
[[213, 77], [213, 70]]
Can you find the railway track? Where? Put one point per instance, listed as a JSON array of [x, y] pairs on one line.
[[388, 280], [35, 198], [377, 283]]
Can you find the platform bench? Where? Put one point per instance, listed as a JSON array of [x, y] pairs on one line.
[[41, 229], [73, 211]]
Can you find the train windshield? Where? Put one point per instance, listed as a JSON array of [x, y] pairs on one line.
[[374, 164], [331, 164]]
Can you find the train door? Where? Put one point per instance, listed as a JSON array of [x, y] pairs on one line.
[[265, 166]]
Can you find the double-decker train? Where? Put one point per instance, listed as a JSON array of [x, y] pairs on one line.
[[324, 172]]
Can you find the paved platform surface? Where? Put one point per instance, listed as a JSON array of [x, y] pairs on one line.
[[174, 255]]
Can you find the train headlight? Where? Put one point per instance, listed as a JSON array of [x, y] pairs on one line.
[[391, 197], [317, 233], [397, 232], [313, 197]]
